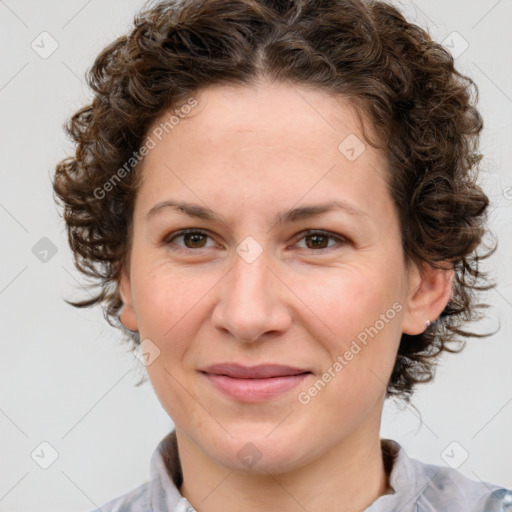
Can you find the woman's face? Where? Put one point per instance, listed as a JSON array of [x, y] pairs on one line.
[[254, 288]]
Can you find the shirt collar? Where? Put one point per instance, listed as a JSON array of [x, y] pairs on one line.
[[406, 481], [164, 494]]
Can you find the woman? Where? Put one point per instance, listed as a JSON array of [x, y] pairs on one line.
[[279, 202]]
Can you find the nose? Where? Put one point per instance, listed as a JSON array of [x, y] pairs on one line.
[[252, 302]]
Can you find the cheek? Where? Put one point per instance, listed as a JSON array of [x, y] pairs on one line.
[[166, 298], [359, 330], [170, 304], [346, 300]]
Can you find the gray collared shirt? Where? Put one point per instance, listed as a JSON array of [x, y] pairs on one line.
[[417, 487]]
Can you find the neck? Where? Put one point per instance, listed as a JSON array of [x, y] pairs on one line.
[[347, 478]]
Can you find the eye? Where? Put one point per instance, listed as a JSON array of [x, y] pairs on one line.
[[197, 239], [192, 239], [319, 239]]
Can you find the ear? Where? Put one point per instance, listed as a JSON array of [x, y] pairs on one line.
[[127, 315], [430, 290]]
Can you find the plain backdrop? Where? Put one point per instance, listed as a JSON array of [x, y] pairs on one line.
[[66, 378]]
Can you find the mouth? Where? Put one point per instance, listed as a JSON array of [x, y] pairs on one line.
[[256, 383], [262, 371]]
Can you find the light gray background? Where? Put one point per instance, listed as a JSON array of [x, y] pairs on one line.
[[66, 379]]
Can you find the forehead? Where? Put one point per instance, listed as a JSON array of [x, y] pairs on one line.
[[271, 114], [272, 142]]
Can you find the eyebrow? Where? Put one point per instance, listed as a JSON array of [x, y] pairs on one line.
[[293, 215]]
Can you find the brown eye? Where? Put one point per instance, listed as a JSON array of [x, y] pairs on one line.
[[196, 240], [192, 239], [318, 240]]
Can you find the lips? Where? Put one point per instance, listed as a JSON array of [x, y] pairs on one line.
[[254, 384], [264, 371]]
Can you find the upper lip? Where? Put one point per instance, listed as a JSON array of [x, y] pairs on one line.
[[261, 371]]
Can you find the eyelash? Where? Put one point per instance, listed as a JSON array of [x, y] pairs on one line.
[[168, 240]]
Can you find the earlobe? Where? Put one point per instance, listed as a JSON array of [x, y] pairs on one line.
[[429, 293], [127, 315]]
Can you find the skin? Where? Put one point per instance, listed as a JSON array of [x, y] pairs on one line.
[[248, 153]]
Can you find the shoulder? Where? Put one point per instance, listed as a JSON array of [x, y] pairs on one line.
[[444, 488], [159, 494], [135, 500]]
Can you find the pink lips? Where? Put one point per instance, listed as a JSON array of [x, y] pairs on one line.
[[254, 384]]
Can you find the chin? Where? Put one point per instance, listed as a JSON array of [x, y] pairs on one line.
[[255, 452]]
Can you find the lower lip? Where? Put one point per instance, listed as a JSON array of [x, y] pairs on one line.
[[255, 390]]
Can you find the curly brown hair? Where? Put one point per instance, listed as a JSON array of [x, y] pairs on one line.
[[395, 75]]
